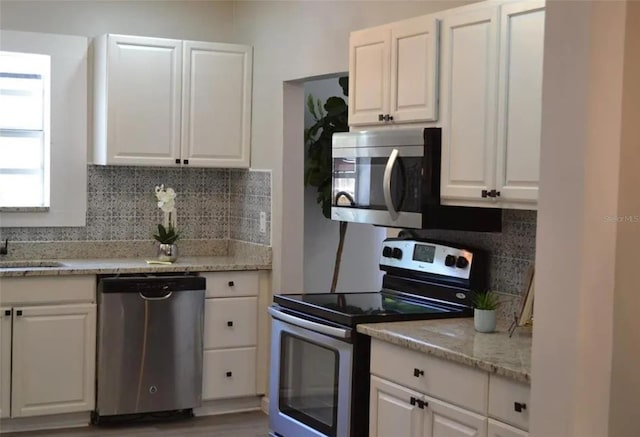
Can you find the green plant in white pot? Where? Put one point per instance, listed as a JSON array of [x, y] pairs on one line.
[[167, 233], [484, 313]]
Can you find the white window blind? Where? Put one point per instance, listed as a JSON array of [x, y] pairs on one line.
[[24, 129]]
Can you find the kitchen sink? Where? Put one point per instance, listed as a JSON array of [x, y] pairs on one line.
[[28, 264]]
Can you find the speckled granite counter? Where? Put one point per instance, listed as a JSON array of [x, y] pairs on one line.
[[457, 340], [139, 265]]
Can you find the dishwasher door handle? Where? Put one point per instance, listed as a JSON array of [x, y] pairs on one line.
[[166, 296]]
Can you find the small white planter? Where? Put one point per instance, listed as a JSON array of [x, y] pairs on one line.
[[484, 320]]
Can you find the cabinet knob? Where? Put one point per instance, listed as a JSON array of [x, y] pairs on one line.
[[388, 117], [380, 117], [418, 373], [231, 284], [492, 193], [177, 161], [229, 374], [519, 406], [185, 161], [7, 312], [230, 323], [19, 313]]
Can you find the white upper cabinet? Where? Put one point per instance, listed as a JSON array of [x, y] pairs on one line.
[[520, 100], [393, 73], [164, 102], [368, 75], [216, 104], [137, 98], [491, 105], [469, 80]]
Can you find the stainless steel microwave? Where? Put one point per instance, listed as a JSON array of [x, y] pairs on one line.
[[392, 178]]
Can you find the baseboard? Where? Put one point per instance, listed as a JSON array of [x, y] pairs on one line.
[[264, 405], [56, 421], [227, 406]]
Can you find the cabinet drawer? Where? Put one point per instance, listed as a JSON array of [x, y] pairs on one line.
[[230, 284], [442, 379], [47, 290], [504, 394], [230, 322], [229, 373]]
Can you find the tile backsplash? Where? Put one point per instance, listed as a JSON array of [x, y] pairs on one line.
[[511, 252], [211, 204]]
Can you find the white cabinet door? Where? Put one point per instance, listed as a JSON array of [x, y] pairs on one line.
[[499, 429], [216, 104], [142, 81], [368, 75], [520, 100], [446, 420], [414, 66], [468, 102], [391, 412], [5, 361], [53, 359]]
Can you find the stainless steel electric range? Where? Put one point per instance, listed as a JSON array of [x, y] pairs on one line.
[[319, 380]]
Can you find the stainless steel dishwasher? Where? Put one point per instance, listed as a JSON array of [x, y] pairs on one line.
[[150, 332]]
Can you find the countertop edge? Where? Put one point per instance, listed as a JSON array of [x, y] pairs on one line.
[[110, 268], [440, 352]]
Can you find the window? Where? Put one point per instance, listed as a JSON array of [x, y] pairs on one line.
[[43, 129], [24, 129]]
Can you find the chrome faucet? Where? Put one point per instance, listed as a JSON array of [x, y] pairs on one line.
[[4, 250]]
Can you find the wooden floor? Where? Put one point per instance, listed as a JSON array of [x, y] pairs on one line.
[[254, 424]]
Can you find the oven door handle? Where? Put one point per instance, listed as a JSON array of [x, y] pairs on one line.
[[308, 324], [386, 188]]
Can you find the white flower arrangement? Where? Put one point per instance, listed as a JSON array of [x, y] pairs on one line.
[[167, 233]]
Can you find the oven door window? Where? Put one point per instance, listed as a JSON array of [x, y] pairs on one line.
[[362, 179], [309, 383]]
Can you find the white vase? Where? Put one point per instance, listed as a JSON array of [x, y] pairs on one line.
[[484, 320]]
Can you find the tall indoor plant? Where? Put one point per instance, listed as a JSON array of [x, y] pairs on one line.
[[330, 117]]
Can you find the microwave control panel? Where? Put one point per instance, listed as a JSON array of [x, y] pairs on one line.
[[427, 257]]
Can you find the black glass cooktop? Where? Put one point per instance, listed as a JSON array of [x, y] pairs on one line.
[[353, 308]]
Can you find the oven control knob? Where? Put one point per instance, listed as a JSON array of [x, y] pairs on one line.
[[386, 251], [450, 261], [397, 253], [462, 262]]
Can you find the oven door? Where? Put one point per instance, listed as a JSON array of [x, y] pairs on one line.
[[378, 185], [310, 380]]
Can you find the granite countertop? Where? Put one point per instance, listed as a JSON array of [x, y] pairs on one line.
[[457, 340], [135, 265]]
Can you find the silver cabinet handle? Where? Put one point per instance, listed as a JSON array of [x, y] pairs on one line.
[[388, 200], [308, 324]]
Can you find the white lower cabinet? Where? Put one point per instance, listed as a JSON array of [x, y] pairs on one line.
[[5, 361], [231, 335], [418, 403], [47, 361], [53, 367], [499, 429], [229, 373], [399, 411]]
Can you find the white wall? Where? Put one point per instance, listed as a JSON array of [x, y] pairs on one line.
[[589, 175], [359, 268], [197, 20], [295, 40]]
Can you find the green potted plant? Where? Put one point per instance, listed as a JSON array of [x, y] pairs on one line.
[[330, 117], [484, 313]]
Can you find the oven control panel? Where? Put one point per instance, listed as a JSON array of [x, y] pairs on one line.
[[427, 257]]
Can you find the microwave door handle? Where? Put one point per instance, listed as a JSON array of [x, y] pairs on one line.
[[386, 189]]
